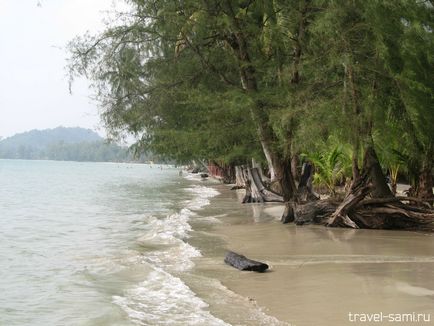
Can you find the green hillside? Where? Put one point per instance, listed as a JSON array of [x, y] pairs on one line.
[[65, 144]]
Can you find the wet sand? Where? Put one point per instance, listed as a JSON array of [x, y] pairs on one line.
[[319, 275]]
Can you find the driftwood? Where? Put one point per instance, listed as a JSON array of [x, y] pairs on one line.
[[256, 192], [309, 212], [243, 263]]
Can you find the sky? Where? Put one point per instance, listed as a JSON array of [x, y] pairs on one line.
[[34, 91]]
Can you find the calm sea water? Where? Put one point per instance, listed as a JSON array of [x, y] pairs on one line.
[[97, 244], [111, 244]]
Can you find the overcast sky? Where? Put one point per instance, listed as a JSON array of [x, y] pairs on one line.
[[33, 81]]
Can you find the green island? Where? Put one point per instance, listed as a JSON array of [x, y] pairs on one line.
[[66, 144]]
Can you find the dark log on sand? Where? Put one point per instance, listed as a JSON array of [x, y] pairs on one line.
[[244, 264]]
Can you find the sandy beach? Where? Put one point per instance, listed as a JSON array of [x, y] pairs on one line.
[[318, 275]]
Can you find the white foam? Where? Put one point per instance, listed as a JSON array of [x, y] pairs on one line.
[[168, 234], [202, 197], [169, 229], [163, 299], [175, 258]]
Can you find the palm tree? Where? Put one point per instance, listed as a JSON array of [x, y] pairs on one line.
[[331, 167]]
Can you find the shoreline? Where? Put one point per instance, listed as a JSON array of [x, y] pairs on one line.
[[319, 275]]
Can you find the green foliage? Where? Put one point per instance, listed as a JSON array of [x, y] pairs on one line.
[[219, 80], [332, 165]]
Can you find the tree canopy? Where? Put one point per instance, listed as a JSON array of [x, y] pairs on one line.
[[231, 80]]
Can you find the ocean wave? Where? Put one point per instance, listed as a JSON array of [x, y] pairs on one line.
[[163, 299], [167, 235], [167, 230], [202, 196], [175, 259]]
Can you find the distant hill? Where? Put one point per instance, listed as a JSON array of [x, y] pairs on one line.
[[39, 139], [65, 144]]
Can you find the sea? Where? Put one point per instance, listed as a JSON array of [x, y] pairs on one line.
[[111, 244]]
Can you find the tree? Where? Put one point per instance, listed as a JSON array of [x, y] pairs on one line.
[[236, 49], [224, 80]]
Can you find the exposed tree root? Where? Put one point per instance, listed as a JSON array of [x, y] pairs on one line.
[[364, 214], [367, 206], [359, 213]]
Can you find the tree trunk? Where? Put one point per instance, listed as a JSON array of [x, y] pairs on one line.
[[371, 167], [305, 190], [294, 167], [279, 169], [259, 167], [372, 181], [309, 212], [268, 157], [256, 191], [229, 174], [357, 194], [240, 180], [355, 165], [286, 179], [426, 182]]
